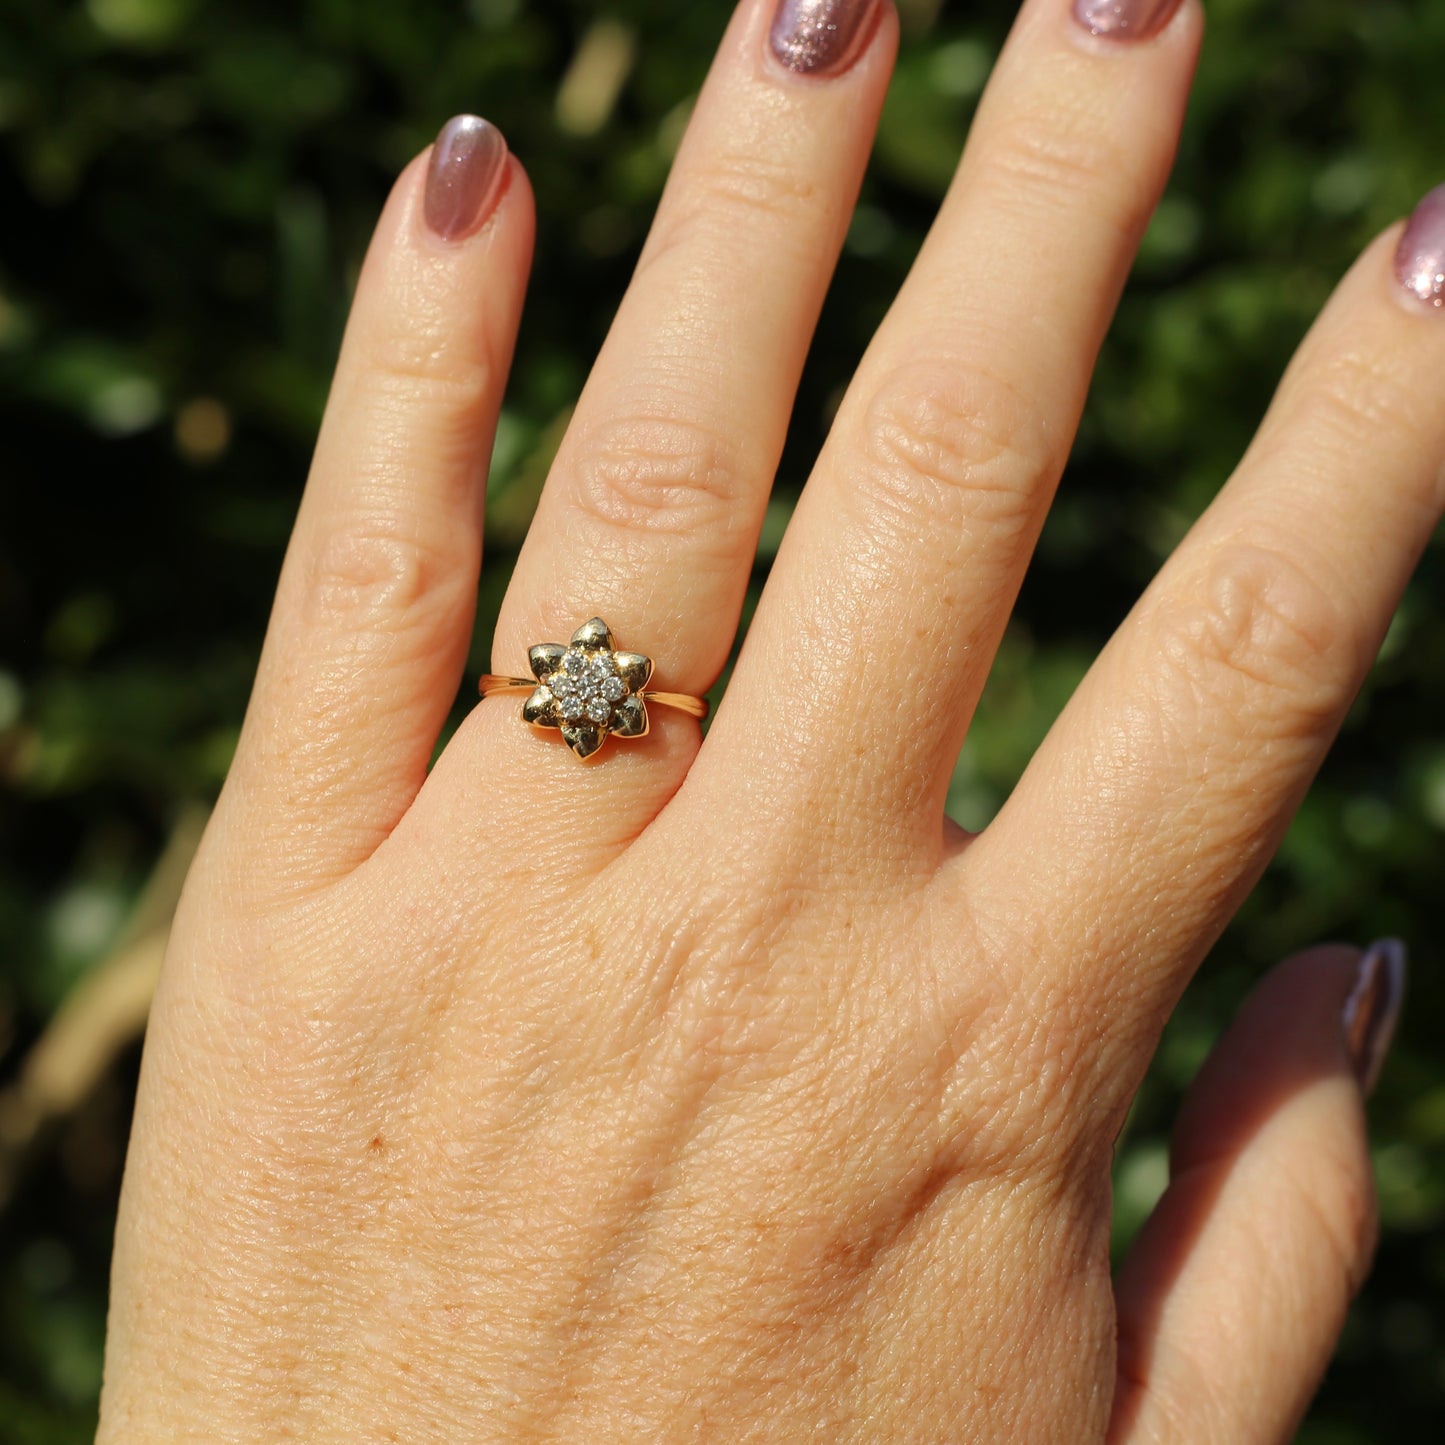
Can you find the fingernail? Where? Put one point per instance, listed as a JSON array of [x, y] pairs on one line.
[[1373, 1008], [1420, 259], [463, 179], [1125, 19], [821, 37]]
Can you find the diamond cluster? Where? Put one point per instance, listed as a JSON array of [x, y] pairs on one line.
[[586, 685]]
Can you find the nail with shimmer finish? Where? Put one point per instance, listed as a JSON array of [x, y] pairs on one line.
[[1125, 19], [1373, 1008], [821, 37], [463, 181], [1420, 259]]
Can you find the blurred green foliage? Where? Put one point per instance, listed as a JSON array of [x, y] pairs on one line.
[[186, 188]]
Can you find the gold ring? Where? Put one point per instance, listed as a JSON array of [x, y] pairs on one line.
[[589, 690]]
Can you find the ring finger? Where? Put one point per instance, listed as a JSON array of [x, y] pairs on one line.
[[651, 514]]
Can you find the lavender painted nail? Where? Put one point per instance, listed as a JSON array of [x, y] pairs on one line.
[[821, 37], [463, 180], [1373, 1008], [1420, 259], [1125, 19]]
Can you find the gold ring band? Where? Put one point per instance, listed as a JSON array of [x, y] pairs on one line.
[[589, 690], [493, 683]]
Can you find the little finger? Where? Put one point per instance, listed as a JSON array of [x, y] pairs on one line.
[[1232, 1299]]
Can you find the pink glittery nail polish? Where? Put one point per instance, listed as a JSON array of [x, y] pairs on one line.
[[1125, 19], [821, 37], [1420, 258], [463, 179]]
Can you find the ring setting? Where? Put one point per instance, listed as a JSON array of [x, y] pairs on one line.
[[589, 690]]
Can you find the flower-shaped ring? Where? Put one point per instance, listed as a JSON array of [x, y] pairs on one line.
[[589, 690]]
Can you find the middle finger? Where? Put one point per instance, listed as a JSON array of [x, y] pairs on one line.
[[652, 511], [901, 565]]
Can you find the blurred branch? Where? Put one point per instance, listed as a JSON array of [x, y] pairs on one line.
[[918, 16], [104, 1013], [589, 91]]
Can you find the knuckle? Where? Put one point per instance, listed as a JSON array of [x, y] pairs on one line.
[[1017, 1072], [1353, 401], [419, 397], [427, 360], [730, 195], [752, 183], [1338, 1195], [657, 474], [1049, 1060], [958, 446], [1037, 157], [377, 575], [1181, 1395], [1357, 396], [1257, 636]]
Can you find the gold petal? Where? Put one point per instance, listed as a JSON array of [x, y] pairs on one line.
[[545, 658], [629, 718], [541, 709], [594, 636], [636, 669], [583, 738]]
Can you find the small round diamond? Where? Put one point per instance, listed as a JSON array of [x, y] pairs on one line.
[[583, 693]]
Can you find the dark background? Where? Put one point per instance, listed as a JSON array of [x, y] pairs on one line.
[[186, 188]]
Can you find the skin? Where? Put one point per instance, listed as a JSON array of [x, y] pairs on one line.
[[729, 1091]]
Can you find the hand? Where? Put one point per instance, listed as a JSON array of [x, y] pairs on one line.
[[724, 1090]]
